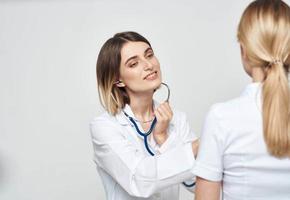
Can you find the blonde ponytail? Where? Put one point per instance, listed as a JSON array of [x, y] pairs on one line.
[[276, 110], [264, 33]]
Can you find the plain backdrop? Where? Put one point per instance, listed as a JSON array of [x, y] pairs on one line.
[[48, 95]]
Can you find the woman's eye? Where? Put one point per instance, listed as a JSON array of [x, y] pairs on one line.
[[150, 55], [133, 64]]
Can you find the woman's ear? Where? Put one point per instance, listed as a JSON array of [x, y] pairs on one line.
[[243, 53], [120, 83], [245, 61]]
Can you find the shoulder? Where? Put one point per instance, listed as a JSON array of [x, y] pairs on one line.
[[226, 118], [103, 119], [229, 109], [104, 127]]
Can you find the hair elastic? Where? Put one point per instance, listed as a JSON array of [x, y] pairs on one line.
[[275, 61]]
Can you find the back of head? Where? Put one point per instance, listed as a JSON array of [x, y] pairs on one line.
[[264, 33]]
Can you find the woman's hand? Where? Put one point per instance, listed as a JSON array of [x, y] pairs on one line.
[[164, 115], [195, 145]]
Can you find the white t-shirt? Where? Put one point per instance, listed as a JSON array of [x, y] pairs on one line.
[[232, 150]]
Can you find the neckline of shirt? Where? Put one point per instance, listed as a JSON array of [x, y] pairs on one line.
[[123, 120], [252, 89]]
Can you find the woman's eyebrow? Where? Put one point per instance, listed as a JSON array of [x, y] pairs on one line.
[[131, 58], [148, 49]]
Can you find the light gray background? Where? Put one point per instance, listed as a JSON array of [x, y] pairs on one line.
[[48, 94]]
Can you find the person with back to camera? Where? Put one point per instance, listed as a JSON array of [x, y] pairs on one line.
[[244, 150], [134, 164]]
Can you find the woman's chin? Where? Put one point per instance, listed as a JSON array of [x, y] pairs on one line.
[[156, 84]]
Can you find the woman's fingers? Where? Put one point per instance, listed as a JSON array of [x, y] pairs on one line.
[[168, 108], [165, 111], [158, 114]]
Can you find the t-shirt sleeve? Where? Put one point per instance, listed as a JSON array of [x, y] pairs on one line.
[[209, 162]]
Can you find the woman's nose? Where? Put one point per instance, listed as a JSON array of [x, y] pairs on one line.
[[148, 65]]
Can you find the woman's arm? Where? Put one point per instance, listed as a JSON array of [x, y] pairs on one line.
[[138, 173], [207, 190], [209, 165], [180, 133]]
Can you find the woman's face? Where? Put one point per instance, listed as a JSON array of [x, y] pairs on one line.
[[139, 68]]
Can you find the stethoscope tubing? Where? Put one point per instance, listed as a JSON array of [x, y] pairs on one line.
[[146, 134]]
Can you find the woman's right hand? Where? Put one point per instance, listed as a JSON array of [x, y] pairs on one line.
[[164, 115], [195, 145]]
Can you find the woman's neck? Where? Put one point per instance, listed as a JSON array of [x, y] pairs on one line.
[[142, 106], [258, 75]]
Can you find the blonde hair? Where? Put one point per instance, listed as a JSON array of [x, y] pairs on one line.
[[264, 32], [112, 97]]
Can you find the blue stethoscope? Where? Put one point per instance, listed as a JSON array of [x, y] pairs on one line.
[[146, 134]]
